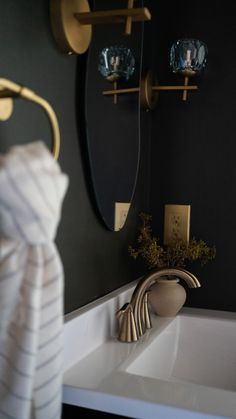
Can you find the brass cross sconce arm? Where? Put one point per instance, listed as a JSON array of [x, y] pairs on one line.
[[148, 91], [72, 22], [187, 57]]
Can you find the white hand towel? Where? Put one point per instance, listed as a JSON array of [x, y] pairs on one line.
[[32, 188]]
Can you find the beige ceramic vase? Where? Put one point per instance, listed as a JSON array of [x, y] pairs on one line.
[[167, 297]]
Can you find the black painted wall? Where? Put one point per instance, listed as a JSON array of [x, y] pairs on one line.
[[96, 260], [194, 143]]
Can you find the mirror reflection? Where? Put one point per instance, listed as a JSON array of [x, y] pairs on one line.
[[113, 132]]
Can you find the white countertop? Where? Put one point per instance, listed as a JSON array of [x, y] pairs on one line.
[[98, 378]]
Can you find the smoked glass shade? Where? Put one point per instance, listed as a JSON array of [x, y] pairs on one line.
[[188, 56], [116, 62]]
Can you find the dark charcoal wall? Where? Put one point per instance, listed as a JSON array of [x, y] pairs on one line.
[[95, 260], [194, 143]]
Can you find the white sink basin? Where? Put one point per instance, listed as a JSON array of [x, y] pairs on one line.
[[192, 349], [182, 368]]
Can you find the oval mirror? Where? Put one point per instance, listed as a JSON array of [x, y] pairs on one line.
[[113, 130]]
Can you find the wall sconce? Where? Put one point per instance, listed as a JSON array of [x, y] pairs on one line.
[[116, 63], [187, 57], [72, 22]]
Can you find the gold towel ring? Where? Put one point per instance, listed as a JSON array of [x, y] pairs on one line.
[[9, 90]]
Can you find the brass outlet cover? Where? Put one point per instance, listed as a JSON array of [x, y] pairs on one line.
[[6, 108], [176, 223], [69, 34]]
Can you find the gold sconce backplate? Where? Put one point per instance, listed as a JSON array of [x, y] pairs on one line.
[[6, 106], [148, 96], [72, 22], [72, 37]]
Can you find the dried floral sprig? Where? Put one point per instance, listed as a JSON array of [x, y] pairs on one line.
[[174, 255]]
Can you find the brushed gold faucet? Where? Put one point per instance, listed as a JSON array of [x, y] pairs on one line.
[[134, 317]]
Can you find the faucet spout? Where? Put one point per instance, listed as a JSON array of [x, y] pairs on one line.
[[139, 299]]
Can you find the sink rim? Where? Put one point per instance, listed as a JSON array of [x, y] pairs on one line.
[[119, 392], [190, 351]]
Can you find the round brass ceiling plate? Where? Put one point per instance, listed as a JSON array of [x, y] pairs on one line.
[[71, 36]]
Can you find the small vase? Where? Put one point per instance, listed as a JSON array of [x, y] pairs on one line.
[[167, 297]]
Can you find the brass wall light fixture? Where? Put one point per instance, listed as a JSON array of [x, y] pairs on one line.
[[187, 57], [72, 22], [116, 63]]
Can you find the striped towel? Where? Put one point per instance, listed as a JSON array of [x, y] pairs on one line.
[[32, 188]]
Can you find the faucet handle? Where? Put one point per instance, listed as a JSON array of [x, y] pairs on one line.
[[121, 310], [127, 326]]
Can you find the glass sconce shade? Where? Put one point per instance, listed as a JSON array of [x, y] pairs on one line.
[[188, 56], [116, 62]]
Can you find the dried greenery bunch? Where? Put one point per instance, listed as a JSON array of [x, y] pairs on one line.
[[174, 255]]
